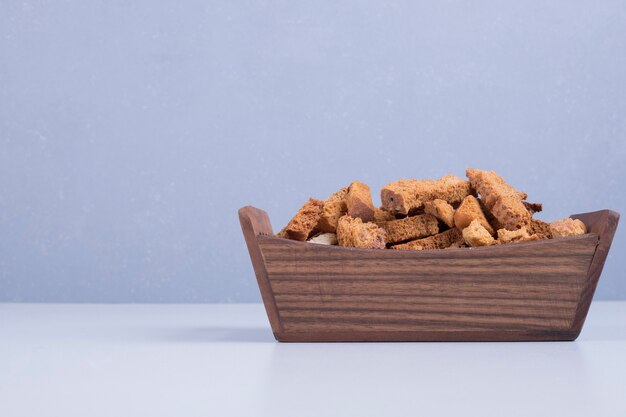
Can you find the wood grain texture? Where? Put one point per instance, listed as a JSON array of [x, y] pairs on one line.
[[521, 291], [604, 224], [254, 224]]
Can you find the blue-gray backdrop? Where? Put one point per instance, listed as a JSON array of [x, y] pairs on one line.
[[131, 132]]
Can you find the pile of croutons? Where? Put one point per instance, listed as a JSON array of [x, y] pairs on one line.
[[427, 214]]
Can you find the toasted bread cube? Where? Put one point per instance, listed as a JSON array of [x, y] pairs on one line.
[[359, 202], [476, 235], [468, 211], [352, 232], [441, 209], [439, 241], [504, 201], [381, 216], [404, 196], [540, 228], [568, 227], [334, 207], [410, 228], [303, 223], [519, 235]]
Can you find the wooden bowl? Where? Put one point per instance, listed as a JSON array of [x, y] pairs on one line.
[[526, 291]]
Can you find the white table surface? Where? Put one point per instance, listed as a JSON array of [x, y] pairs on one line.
[[222, 360]]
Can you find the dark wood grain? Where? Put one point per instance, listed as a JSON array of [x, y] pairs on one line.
[[604, 224], [522, 291], [256, 223]]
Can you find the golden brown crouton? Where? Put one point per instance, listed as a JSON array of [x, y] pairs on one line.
[[504, 201], [359, 201], [334, 207], [438, 241], [567, 227], [352, 232], [511, 213], [468, 211], [476, 235], [491, 186], [539, 228], [441, 209], [410, 228], [302, 224], [403, 196], [519, 235], [381, 215], [493, 222]]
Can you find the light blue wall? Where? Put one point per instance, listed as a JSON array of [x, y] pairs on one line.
[[131, 132]]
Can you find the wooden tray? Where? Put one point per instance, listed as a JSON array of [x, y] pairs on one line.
[[527, 291]]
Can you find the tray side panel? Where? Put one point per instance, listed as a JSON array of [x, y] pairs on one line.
[[254, 223], [604, 224], [524, 291]]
